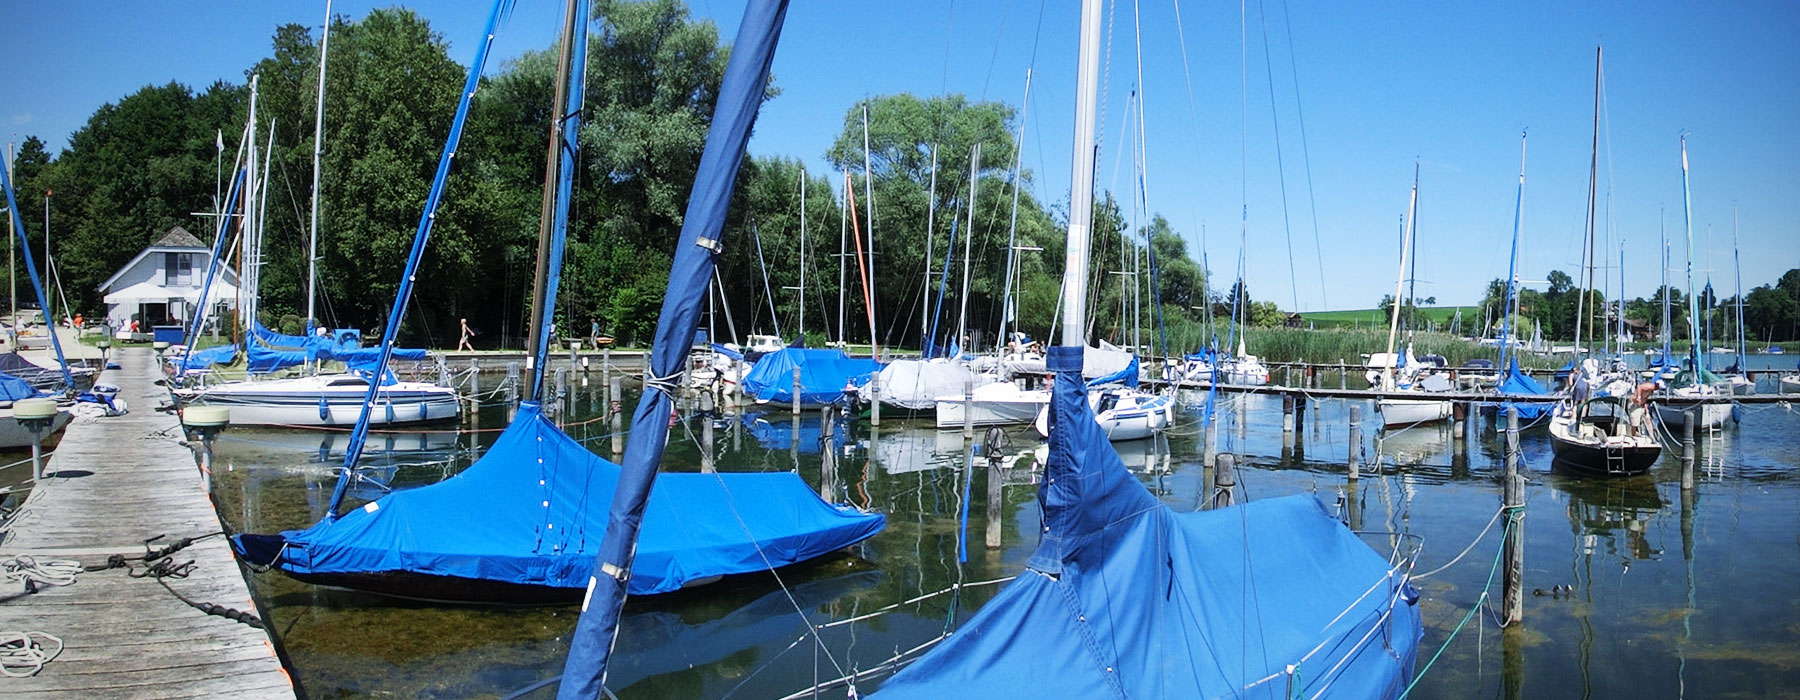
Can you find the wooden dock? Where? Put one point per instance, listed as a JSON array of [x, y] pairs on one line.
[[113, 483]]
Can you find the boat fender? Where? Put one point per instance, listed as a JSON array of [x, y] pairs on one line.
[[390, 412], [324, 409]]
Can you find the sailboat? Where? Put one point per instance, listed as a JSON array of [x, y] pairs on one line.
[[1404, 374], [1604, 435], [1696, 382], [522, 524], [314, 399], [1514, 383], [15, 432]]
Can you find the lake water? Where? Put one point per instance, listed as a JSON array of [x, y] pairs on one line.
[[1673, 594]]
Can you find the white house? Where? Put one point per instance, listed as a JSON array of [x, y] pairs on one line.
[[161, 286]]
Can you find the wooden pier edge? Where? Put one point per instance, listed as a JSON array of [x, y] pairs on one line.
[[111, 484]]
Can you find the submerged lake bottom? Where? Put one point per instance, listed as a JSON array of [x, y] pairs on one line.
[[1635, 587]]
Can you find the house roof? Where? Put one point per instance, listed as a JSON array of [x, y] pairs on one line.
[[176, 240], [178, 237]]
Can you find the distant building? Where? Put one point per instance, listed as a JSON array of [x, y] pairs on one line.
[[161, 286]]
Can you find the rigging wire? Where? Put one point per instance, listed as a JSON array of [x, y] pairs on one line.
[[1305, 153], [1280, 165]]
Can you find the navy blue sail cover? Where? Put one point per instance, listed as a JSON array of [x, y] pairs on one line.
[[824, 374], [529, 512], [13, 388], [1515, 383], [1125, 598]]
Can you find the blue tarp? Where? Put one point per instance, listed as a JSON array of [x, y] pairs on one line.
[[13, 388], [1127, 376], [491, 522], [824, 374], [1515, 383], [201, 359], [261, 359], [1125, 598]]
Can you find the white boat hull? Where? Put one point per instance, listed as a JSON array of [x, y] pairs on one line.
[[326, 400], [994, 404], [1712, 414], [1398, 412], [1790, 384]]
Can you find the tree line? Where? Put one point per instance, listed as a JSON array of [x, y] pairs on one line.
[[1771, 311], [154, 160]]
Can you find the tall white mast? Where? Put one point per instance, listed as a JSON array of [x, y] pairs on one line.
[[1012, 226], [1081, 180], [247, 272], [802, 254], [1412, 207], [312, 244], [869, 194], [962, 322], [930, 234]]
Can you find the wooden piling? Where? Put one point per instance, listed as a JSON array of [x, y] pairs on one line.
[[1343, 374], [706, 433], [1512, 585], [1689, 417], [1355, 459], [1211, 439], [1459, 416], [616, 407], [968, 409], [875, 400], [828, 453], [796, 402], [995, 500], [1287, 416], [1225, 481]]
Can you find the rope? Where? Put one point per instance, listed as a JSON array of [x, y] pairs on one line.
[[1471, 547], [28, 572], [1479, 602], [19, 650]]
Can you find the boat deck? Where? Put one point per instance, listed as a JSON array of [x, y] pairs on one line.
[[113, 483]]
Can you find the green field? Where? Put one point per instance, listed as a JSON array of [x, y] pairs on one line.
[[1367, 318]]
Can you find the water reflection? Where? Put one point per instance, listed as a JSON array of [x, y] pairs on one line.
[[1633, 626]]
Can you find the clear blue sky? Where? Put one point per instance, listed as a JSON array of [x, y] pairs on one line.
[[1448, 84]]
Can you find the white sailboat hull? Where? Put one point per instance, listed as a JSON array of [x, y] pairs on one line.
[[14, 434], [1002, 403], [325, 400], [1398, 412]]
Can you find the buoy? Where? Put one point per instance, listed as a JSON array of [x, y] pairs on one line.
[[28, 409], [160, 345], [206, 416]]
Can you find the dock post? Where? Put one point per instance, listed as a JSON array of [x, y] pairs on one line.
[[1211, 439], [1689, 416], [796, 407], [995, 504], [1355, 441], [616, 407], [706, 433], [1459, 417], [1287, 419], [875, 400], [828, 454], [512, 381], [474, 396], [968, 409], [1224, 480], [1512, 587], [574, 346], [606, 366], [1343, 375]]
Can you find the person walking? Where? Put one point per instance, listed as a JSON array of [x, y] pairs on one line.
[[463, 344]]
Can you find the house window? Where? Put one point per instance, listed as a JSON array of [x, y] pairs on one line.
[[178, 269]]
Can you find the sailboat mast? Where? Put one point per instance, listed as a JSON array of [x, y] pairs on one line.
[[1412, 207], [930, 234], [1687, 216], [540, 313], [1737, 265], [1587, 246], [252, 193], [1512, 265], [1081, 180], [312, 244], [802, 291], [1012, 225], [869, 195], [962, 320], [843, 251]]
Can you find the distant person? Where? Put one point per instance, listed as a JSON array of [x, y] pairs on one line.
[[1639, 413], [594, 331], [1578, 390], [463, 343]]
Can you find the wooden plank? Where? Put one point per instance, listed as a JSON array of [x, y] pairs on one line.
[[113, 482]]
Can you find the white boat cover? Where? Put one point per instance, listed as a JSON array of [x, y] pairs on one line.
[[916, 384]]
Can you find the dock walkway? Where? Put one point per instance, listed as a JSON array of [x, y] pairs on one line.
[[113, 483]]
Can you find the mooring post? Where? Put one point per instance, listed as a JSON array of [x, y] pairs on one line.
[[994, 484], [1459, 416], [706, 433], [1343, 374], [875, 400], [968, 409], [1224, 480], [606, 366], [1689, 416], [615, 406], [512, 382], [796, 401], [828, 452], [1512, 588], [1287, 417], [1355, 441], [1211, 438]]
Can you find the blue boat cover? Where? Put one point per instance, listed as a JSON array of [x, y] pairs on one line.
[[201, 359], [1125, 598], [262, 359], [528, 513], [824, 375], [1127, 376], [1514, 383], [13, 388]]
